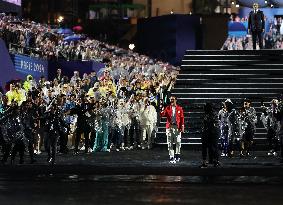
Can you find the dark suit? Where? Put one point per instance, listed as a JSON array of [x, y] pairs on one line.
[[256, 26], [82, 125], [210, 137]]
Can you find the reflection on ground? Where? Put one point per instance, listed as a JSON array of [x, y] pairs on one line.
[[142, 177], [123, 189]]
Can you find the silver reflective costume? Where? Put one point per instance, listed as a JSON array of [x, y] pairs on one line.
[[223, 125], [233, 128], [272, 126], [248, 120], [269, 119]]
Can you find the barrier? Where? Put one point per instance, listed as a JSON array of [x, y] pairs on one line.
[[68, 67], [7, 68], [15, 66], [25, 65]]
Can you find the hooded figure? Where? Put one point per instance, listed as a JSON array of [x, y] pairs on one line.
[[29, 84], [233, 126]]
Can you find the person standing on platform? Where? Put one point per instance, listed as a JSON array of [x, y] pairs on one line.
[[280, 119], [210, 136], [135, 128], [83, 127], [148, 123], [53, 127], [102, 129], [269, 118], [249, 119], [28, 115], [224, 130], [233, 127], [174, 127], [256, 25]]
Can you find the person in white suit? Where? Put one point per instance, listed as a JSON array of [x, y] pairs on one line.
[[121, 121], [148, 123]]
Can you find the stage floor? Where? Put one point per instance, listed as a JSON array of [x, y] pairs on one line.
[[129, 190], [142, 177], [149, 162]]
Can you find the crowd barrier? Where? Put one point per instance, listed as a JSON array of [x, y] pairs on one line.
[[16, 66]]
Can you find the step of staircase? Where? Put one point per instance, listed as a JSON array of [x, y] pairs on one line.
[[214, 75]]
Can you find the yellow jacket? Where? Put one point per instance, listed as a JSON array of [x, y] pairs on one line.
[[16, 96]]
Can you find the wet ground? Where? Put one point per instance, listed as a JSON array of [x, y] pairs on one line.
[[142, 177], [123, 190]]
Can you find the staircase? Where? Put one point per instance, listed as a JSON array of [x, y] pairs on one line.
[[214, 76]]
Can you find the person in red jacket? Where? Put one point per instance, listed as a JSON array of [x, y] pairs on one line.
[[174, 127]]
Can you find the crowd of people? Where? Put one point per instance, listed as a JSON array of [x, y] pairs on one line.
[[47, 115], [111, 115], [234, 129], [272, 39], [39, 40], [114, 109]]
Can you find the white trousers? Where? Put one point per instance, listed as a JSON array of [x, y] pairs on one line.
[[173, 136], [147, 133]]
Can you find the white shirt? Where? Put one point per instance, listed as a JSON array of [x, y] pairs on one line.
[[174, 114]]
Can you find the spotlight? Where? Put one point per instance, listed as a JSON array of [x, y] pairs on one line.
[[233, 2], [237, 5], [60, 19], [265, 2], [132, 46]]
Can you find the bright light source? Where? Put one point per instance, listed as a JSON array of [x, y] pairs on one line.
[[265, 2], [233, 2], [271, 5], [237, 5], [60, 19], [171, 12], [132, 46], [191, 13]]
